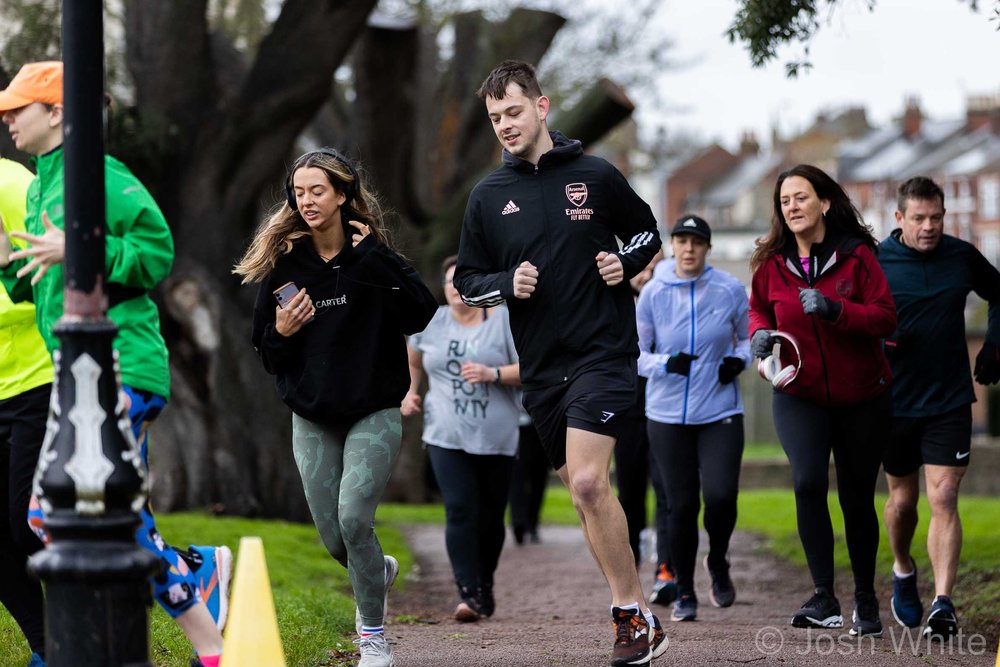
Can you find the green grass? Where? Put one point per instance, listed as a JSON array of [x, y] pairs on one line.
[[316, 613], [311, 591], [977, 589], [763, 451]]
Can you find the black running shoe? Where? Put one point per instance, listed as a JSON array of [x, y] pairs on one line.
[[867, 622], [467, 610], [905, 604], [942, 621], [722, 592], [487, 603], [685, 608], [821, 611]]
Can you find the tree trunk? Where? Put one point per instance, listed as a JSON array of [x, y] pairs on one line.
[[224, 440]]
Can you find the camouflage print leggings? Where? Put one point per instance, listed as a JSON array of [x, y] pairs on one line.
[[344, 471]]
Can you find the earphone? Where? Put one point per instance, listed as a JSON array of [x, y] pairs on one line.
[[770, 368], [351, 188]]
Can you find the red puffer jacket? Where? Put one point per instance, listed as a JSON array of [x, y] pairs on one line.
[[842, 360]]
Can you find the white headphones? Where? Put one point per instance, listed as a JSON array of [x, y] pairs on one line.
[[770, 367]]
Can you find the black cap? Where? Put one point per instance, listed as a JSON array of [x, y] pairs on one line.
[[692, 224]]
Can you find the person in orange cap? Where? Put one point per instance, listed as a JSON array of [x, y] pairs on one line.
[[139, 248]]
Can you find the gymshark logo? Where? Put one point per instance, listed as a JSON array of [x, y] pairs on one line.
[[605, 416], [961, 456], [511, 207]]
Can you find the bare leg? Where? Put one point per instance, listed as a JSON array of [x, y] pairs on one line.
[[588, 458], [944, 536], [901, 517], [200, 629]]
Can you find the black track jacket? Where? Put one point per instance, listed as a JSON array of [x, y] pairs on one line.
[[557, 216]]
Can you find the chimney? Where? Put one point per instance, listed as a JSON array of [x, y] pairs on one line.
[[748, 144], [912, 117], [982, 111]]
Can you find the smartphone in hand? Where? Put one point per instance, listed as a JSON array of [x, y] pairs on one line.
[[286, 293]]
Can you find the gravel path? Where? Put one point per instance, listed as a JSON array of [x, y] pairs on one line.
[[552, 610]]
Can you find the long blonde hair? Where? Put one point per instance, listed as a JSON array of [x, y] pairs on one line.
[[278, 233]]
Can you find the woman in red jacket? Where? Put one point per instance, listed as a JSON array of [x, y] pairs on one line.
[[816, 279]]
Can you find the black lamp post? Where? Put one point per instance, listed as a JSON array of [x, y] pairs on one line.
[[90, 479]]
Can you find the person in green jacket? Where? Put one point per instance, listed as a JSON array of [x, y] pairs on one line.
[[139, 254], [25, 385]]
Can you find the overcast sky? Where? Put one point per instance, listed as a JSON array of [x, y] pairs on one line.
[[937, 50]]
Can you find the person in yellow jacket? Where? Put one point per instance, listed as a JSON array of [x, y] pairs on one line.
[[25, 384]]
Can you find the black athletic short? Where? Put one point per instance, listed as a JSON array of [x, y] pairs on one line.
[[596, 399], [941, 440]]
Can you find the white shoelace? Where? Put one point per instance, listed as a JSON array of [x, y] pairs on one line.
[[372, 645]]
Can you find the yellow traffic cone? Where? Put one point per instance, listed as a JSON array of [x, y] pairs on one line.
[[252, 636]]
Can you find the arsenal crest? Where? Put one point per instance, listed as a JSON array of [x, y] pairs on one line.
[[576, 193]]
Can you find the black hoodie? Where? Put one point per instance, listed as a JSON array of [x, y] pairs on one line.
[[350, 361], [557, 215]]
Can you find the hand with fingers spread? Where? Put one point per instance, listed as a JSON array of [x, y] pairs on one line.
[[363, 231], [45, 251], [525, 279], [299, 311], [610, 267]]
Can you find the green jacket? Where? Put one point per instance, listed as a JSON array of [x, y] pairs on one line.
[[139, 253], [24, 361]]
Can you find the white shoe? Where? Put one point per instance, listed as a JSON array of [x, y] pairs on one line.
[[375, 651], [391, 572]]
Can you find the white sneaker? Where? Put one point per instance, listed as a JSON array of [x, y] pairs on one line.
[[391, 572], [375, 651]]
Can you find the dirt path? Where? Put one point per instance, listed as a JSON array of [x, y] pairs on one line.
[[552, 610]]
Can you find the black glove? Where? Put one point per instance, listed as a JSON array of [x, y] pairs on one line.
[[814, 303], [680, 363], [762, 343], [898, 345], [987, 369], [729, 369]]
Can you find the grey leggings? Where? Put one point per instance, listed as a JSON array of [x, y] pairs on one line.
[[344, 471]]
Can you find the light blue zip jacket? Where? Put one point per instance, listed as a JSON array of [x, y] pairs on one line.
[[707, 317]]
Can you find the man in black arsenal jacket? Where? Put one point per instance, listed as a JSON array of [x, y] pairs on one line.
[[540, 233]]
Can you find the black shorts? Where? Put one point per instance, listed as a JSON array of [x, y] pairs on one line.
[[941, 440], [597, 399]]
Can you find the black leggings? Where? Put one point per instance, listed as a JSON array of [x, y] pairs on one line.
[[857, 436], [22, 428], [528, 480], [697, 460], [633, 467], [474, 487]]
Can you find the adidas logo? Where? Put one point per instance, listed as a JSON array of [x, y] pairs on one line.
[[511, 207]]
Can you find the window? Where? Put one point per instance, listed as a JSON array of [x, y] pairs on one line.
[[989, 198], [989, 243]]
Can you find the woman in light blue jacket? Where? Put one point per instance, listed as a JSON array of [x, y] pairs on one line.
[[693, 329]]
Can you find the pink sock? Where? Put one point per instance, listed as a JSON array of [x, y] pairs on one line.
[[210, 660]]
